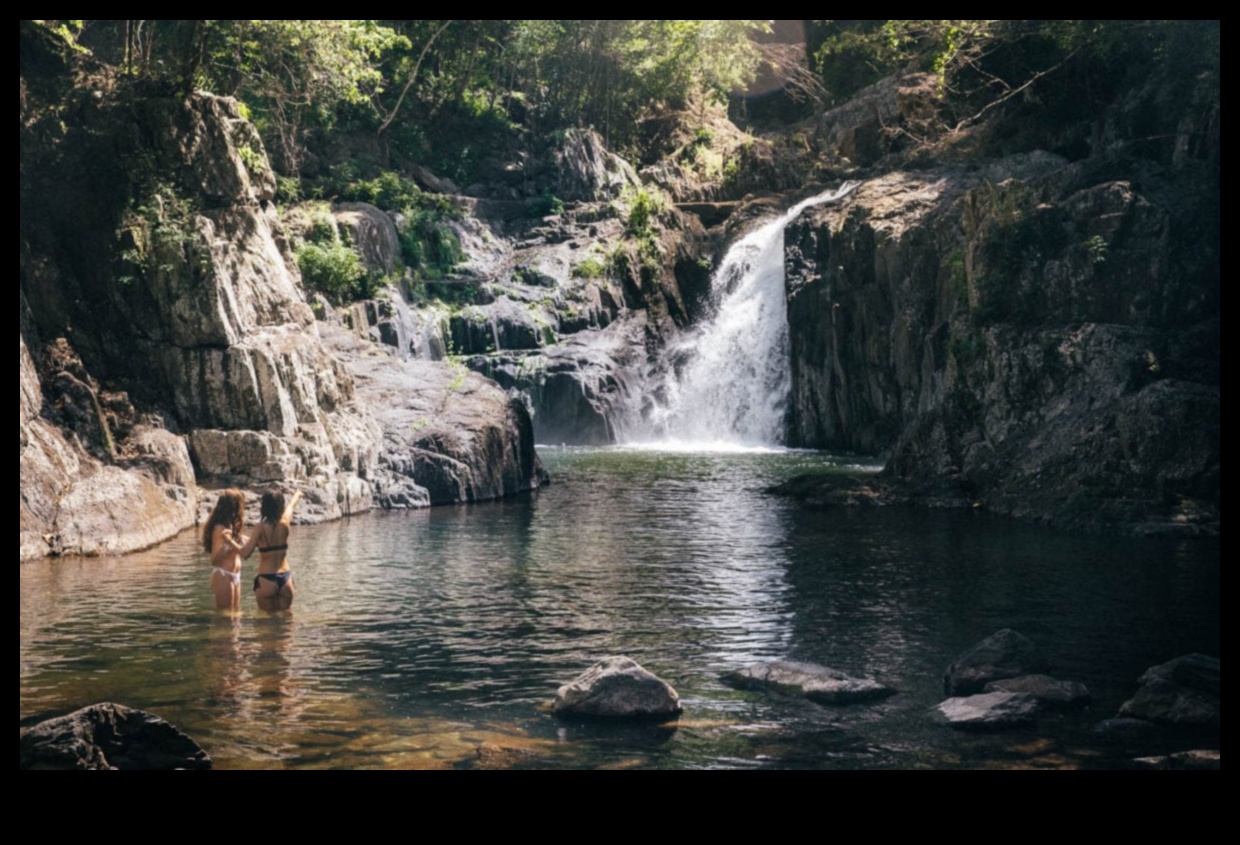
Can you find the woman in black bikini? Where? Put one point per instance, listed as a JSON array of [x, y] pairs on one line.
[[273, 588]]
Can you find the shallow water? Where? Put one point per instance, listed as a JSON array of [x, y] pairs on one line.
[[435, 639]]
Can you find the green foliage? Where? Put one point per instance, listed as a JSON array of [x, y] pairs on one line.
[[255, 162], [333, 270], [546, 205], [157, 233], [591, 268], [294, 75], [389, 191], [288, 190], [322, 230], [645, 206], [428, 244], [1096, 249]]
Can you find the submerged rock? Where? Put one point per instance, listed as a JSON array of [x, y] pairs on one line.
[[992, 711], [617, 688], [1005, 655], [1129, 732], [109, 737], [817, 683], [1050, 692]]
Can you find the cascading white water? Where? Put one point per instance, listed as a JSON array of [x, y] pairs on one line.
[[731, 389]]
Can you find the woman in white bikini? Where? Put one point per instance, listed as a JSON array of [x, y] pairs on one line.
[[224, 541], [273, 587]]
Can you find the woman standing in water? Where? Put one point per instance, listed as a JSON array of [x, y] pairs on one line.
[[223, 540], [273, 588]]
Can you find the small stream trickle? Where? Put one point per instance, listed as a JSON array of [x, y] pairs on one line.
[[731, 384]]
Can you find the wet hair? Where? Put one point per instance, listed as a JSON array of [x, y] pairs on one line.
[[229, 512], [273, 507]]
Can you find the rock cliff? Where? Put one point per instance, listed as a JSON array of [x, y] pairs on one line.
[[154, 262], [1032, 335]]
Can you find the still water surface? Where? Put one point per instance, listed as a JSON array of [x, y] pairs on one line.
[[435, 639]]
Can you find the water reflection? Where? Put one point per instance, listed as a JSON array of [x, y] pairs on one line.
[[432, 640]]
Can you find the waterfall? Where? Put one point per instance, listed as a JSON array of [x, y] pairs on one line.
[[730, 379]]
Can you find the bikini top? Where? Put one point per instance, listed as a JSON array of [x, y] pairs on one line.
[[272, 549]]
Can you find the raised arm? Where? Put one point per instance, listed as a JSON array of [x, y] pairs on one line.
[[287, 519]]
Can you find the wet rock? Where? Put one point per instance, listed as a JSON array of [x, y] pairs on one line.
[[1051, 694], [1167, 703], [817, 683], [109, 737], [1188, 761], [617, 688], [1128, 732], [992, 711], [1197, 761], [1194, 671], [1005, 655]]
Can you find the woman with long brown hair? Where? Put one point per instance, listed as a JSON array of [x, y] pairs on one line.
[[226, 544], [273, 586]]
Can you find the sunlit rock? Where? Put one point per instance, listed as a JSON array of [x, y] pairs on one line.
[[617, 688], [992, 711], [817, 683]]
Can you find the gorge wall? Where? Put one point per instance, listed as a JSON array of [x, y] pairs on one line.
[[167, 343], [1027, 334]]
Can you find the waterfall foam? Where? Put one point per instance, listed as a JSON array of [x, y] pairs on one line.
[[729, 383]]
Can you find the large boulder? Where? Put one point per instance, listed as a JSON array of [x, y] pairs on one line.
[[1194, 671], [1005, 655], [1183, 693], [109, 737], [990, 712], [1051, 693], [1170, 704], [617, 688], [817, 683]]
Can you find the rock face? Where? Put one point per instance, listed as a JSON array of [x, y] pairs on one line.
[[1005, 655], [617, 688], [108, 737], [139, 491], [817, 683], [1043, 334], [1050, 693], [372, 233], [589, 171], [169, 274], [989, 712]]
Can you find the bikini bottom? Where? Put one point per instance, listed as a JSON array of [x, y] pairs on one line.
[[280, 579]]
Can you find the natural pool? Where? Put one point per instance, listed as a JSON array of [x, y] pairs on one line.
[[434, 639]]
